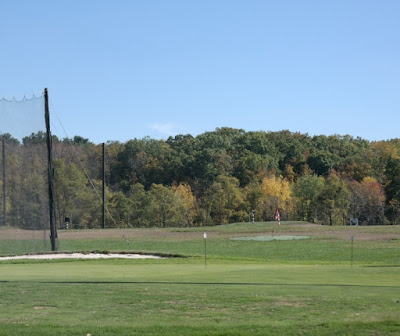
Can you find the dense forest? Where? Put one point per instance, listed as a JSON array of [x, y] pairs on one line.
[[214, 178]]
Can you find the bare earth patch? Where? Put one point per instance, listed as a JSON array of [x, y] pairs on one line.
[[290, 304], [313, 230], [182, 234]]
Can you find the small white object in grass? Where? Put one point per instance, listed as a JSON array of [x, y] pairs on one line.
[[205, 235]]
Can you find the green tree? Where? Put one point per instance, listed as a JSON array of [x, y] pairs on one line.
[[392, 189], [307, 192], [27, 192], [253, 193], [226, 200], [120, 207], [145, 161], [333, 201], [292, 148], [9, 139], [164, 206], [75, 197], [140, 214]]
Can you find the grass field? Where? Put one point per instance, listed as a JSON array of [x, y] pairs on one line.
[[298, 287]]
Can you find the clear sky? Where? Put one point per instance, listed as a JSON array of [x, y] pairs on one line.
[[118, 70]]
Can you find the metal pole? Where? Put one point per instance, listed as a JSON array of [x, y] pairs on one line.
[[104, 186], [352, 245], [4, 184], [53, 233]]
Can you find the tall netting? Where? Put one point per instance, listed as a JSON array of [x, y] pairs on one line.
[[24, 196]]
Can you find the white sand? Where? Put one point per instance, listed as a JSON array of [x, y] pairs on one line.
[[81, 256]]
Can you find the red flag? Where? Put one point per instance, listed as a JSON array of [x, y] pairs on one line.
[[278, 216]]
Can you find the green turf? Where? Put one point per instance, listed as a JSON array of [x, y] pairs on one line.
[[19, 246], [299, 287], [310, 251], [154, 298]]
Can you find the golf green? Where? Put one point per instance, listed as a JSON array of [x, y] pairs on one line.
[[269, 238]]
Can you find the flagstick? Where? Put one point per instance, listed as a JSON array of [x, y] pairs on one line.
[[205, 249]]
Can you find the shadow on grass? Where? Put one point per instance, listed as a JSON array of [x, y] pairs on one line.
[[199, 283], [378, 266]]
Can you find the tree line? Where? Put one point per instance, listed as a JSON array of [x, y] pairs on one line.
[[214, 178]]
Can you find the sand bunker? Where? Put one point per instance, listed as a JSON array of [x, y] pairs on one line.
[[82, 256]]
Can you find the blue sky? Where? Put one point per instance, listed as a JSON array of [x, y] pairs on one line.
[[118, 70]]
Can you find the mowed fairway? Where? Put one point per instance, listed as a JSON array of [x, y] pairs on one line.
[[299, 287]]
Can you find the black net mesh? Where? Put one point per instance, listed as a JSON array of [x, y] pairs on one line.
[[24, 219]]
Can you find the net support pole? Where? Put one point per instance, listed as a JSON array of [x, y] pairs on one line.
[[53, 233], [4, 183], [103, 223]]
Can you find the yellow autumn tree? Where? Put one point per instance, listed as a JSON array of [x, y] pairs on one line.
[[276, 194], [382, 152], [183, 192]]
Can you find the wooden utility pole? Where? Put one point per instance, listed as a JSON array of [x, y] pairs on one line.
[[53, 232]]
